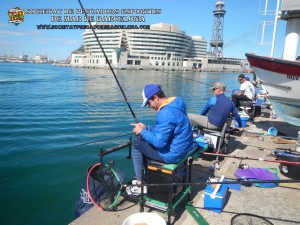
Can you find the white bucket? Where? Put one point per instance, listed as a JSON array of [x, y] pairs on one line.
[[144, 219]]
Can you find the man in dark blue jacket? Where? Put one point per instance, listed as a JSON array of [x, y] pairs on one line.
[[169, 141], [219, 107]]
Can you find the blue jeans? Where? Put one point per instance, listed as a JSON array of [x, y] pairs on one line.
[[141, 150]]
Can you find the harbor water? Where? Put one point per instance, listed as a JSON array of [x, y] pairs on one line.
[[53, 121]]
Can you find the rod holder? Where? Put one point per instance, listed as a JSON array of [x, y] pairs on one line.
[[298, 143]]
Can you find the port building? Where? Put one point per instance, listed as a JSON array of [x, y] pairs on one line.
[[162, 46]]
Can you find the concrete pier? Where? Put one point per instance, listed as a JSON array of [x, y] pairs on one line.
[[280, 205]]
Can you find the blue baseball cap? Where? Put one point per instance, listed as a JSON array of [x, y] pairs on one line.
[[148, 92]]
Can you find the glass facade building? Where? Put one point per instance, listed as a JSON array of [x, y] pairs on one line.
[[161, 45]]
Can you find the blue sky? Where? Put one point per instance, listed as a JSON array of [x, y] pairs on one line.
[[195, 17]]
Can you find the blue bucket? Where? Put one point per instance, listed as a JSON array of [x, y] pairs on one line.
[[244, 121], [272, 131]]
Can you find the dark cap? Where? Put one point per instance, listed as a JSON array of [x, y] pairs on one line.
[[241, 76]]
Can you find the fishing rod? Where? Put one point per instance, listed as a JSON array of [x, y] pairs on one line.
[[107, 61], [202, 82], [270, 135], [74, 146], [220, 182], [248, 158]]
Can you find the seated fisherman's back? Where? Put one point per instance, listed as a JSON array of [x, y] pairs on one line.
[[218, 107]]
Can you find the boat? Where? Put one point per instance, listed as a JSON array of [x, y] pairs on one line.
[[280, 77]]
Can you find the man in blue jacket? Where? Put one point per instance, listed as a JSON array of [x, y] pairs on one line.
[[169, 141], [219, 107]]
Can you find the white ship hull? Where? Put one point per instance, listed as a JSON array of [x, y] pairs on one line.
[[281, 79]]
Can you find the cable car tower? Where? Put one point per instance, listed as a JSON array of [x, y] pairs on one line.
[[216, 43]]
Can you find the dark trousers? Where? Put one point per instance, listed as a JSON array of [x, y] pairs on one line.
[[237, 98]]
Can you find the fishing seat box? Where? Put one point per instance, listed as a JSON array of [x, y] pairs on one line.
[[264, 110], [217, 204], [258, 108], [160, 176], [161, 173]]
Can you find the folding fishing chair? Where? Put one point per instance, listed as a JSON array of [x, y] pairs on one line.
[[220, 137]]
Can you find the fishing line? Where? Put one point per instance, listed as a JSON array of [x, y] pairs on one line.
[[262, 134], [198, 81], [202, 83], [256, 159], [74, 146], [107, 61], [263, 148]]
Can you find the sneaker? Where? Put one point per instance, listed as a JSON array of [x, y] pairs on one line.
[[128, 190], [133, 182], [135, 190]]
